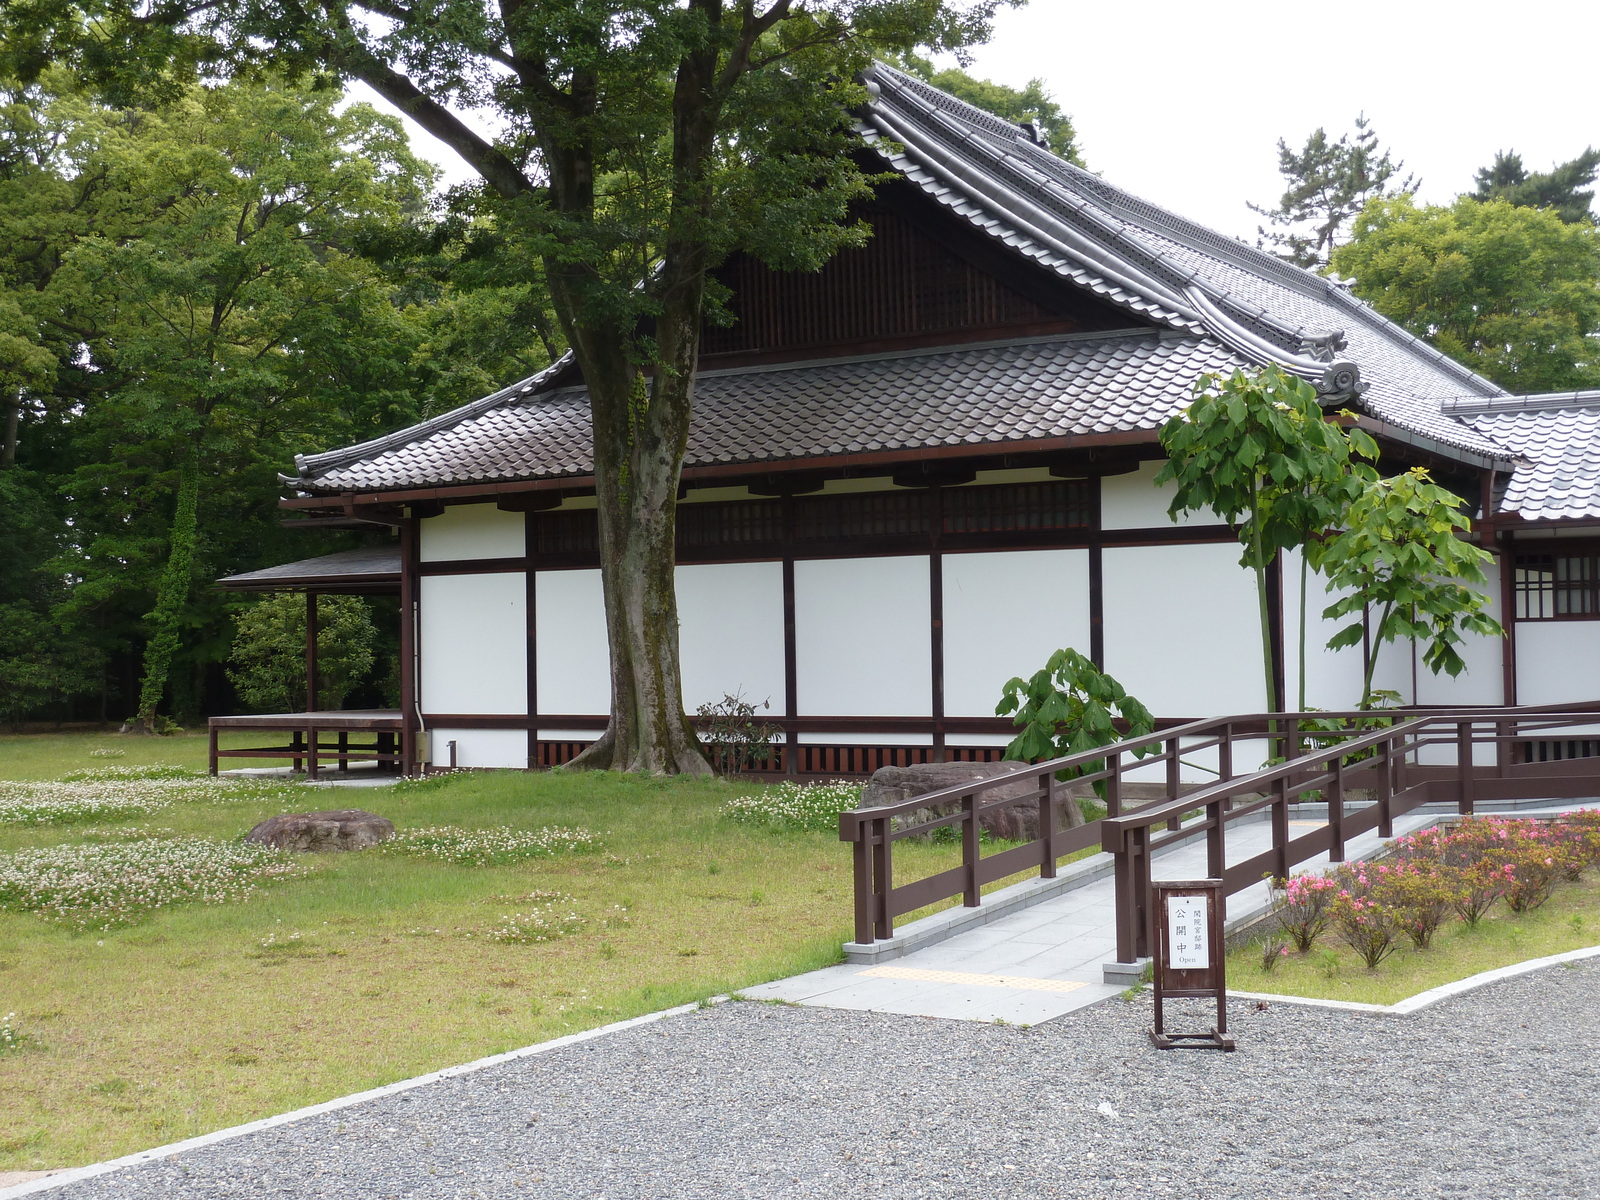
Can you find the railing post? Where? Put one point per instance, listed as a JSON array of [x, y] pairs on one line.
[[1216, 845], [1139, 853], [1280, 827], [970, 849], [861, 868], [1502, 748], [882, 878], [1386, 774], [213, 731], [1127, 906], [1172, 781], [1336, 810], [1048, 795], [1114, 786], [1464, 767], [1225, 761]]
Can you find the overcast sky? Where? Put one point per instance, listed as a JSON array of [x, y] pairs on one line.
[[1183, 103]]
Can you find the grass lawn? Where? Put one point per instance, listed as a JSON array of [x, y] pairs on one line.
[[50, 755], [1569, 920], [201, 1017]]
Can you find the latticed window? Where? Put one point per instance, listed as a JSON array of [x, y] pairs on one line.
[[1062, 504], [1556, 586]]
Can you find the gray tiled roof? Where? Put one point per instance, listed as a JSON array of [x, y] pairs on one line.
[[374, 564], [1557, 439], [1222, 303], [971, 395]]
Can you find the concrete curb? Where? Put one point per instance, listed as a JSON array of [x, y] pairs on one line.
[[1433, 995], [74, 1174]]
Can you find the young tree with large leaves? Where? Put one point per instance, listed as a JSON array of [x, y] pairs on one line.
[[1513, 292], [1258, 450], [1401, 551], [642, 142]]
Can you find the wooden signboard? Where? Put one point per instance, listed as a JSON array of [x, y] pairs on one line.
[[1191, 958]]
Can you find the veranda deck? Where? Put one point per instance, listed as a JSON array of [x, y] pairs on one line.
[[306, 730]]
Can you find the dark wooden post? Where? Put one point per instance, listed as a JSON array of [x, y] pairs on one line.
[[1464, 767], [971, 850], [1280, 827], [311, 651], [1216, 840], [213, 731], [1049, 797], [882, 877], [1386, 772], [1335, 811], [408, 646], [1173, 784], [1225, 761]]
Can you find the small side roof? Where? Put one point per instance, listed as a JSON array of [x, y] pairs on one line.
[[1556, 437], [371, 570]]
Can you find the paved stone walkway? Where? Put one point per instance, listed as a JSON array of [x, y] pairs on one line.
[[1036, 964]]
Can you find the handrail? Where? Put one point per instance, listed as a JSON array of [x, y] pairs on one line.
[[879, 900]]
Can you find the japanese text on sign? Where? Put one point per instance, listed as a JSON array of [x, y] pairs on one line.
[[1187, 932]]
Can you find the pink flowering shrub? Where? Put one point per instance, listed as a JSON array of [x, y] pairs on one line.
[[1464, 868], [1302, 907]]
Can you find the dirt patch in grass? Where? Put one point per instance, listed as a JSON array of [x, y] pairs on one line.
[[1569, 920], [373, 967]]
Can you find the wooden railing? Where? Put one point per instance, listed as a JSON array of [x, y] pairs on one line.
[[1384, 761]]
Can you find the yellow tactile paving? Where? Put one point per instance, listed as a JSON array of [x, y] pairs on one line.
[[1019, 982]]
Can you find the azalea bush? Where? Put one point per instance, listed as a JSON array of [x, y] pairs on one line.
[[810, 806], [1462, 869], [497, 847], [106, 886]]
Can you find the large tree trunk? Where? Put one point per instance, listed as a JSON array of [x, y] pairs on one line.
[[171, 595]]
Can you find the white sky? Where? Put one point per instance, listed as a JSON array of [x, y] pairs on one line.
[[1183, 103]]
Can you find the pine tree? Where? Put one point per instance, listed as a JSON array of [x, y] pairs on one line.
[[1329, 182], [1556, 189]]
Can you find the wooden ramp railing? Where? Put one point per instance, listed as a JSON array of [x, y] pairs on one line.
[[1423, 756]]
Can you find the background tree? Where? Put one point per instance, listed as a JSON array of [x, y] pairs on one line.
[[1560, 189], [1512, 292], [1400, 553], [644, 141], [1031, 102], [1328, 184], [1258, 450], [268, 660]]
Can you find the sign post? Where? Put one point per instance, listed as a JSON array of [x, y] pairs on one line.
[[1190, 958]]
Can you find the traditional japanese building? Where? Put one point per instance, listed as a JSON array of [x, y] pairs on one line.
[[918, 471]]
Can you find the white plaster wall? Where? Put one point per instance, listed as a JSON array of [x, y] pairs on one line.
[[1005, 613], [481, 747], [474, 637], [1558, 662], [730, 633], [1483, 681], [1181, 629], [862, 640], [571, 657], [1133, 501], [473, 531], [1333, 677]]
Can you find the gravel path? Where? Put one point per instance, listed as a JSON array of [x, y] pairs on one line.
[[1493, 1094]]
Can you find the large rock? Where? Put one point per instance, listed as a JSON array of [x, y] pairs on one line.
[[342, 829], [1015, 822]]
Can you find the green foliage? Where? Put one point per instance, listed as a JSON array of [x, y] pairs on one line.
[[734, 739], [1068, 707], [1560, 189], [268, 660], [1328, 184], [1512, 292], [1031, 102], [1401, 552], [1257, 449]]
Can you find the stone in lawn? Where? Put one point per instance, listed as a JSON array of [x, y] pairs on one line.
[[1015, 822], [341, 829]]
